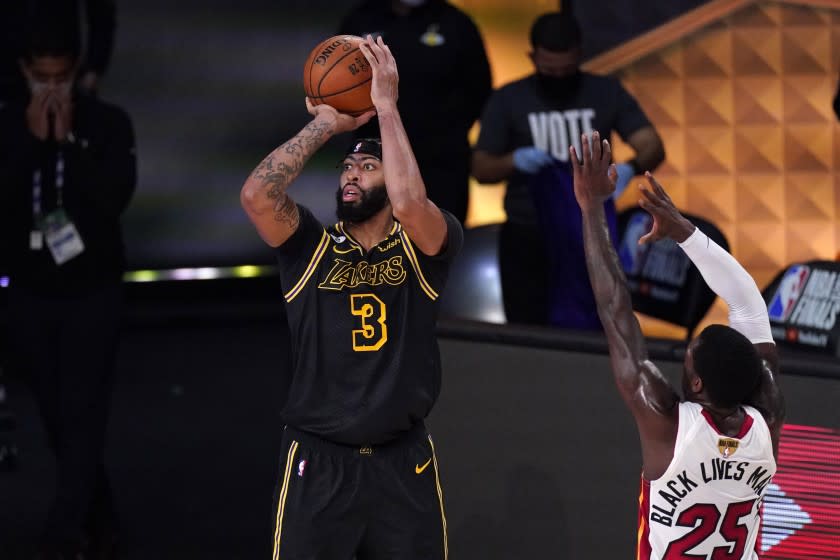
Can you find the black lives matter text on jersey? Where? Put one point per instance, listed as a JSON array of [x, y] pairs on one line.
[[756, 477]]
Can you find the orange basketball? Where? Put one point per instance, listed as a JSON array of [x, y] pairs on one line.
[[338, 74]]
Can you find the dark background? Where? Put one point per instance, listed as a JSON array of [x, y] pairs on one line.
[[215, 85]]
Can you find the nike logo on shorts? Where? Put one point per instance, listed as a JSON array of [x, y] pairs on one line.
[[418, 469]]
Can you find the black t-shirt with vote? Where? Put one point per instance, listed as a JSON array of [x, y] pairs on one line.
[[523, 114]]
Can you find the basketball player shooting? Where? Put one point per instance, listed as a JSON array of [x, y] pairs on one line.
[[709, 457], [359, 475]]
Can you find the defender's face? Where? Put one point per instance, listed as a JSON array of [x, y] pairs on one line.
[[360, 173]]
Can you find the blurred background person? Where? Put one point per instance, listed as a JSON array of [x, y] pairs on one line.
[[100, 26], [526, 128], [69, 172], [444, 82]]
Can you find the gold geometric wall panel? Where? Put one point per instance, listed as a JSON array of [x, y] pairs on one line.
[[744, 108]]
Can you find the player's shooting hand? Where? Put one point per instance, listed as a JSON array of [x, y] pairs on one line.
[[667, 220], [384, 89], [343, 122], [594, 174]]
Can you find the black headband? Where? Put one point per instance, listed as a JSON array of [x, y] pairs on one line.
[[371, 146]]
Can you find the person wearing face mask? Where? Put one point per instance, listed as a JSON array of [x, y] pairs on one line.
[[445, 80], [526, 129], [99, 22], [69, 171]]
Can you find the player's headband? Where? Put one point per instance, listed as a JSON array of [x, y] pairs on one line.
[[370, 146]]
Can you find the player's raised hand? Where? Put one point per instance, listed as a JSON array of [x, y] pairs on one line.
[[667, 220], [343, 122], [384, 87], [594, 174]]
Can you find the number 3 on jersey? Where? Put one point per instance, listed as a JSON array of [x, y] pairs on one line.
[[372, 313]]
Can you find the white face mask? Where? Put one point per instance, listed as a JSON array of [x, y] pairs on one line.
[[62, 88], [413, 3]]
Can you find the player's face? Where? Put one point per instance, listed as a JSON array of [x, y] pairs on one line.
[[556, 64], [361, 193]]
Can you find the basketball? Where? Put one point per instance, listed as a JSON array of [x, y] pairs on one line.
[[338, 74]]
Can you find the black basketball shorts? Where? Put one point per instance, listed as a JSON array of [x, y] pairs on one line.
[[334, 502]]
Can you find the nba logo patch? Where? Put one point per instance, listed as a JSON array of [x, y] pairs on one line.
[[727, 446], [788, 292], [301, 467]]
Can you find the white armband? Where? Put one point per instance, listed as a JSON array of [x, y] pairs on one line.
[[728, 279]]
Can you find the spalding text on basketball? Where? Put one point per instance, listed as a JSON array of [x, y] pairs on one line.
[[322, 58]]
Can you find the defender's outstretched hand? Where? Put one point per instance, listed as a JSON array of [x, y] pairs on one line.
[[594, 174], [343, 123], [667, 220]]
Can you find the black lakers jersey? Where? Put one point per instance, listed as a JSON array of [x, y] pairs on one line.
[[365, 359]]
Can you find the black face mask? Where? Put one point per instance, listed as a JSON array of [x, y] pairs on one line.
[[370, 203], [559, 87]]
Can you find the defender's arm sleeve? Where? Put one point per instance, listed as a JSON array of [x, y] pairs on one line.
[[728, 279]]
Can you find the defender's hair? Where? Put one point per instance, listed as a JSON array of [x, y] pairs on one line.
[[728, 364]]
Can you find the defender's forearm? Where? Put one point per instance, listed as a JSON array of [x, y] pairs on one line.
[[615, 306], [605, 273]]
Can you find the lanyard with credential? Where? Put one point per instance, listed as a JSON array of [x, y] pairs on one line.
[[38, 192], [36, 237], [56, 228]]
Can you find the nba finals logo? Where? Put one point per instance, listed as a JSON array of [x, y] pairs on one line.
[[727, 446], [788, 292]]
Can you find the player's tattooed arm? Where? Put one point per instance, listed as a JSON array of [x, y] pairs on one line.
[[282, 166], [264, 195]]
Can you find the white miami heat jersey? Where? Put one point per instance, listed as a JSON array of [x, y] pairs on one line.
[[707, 505]]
